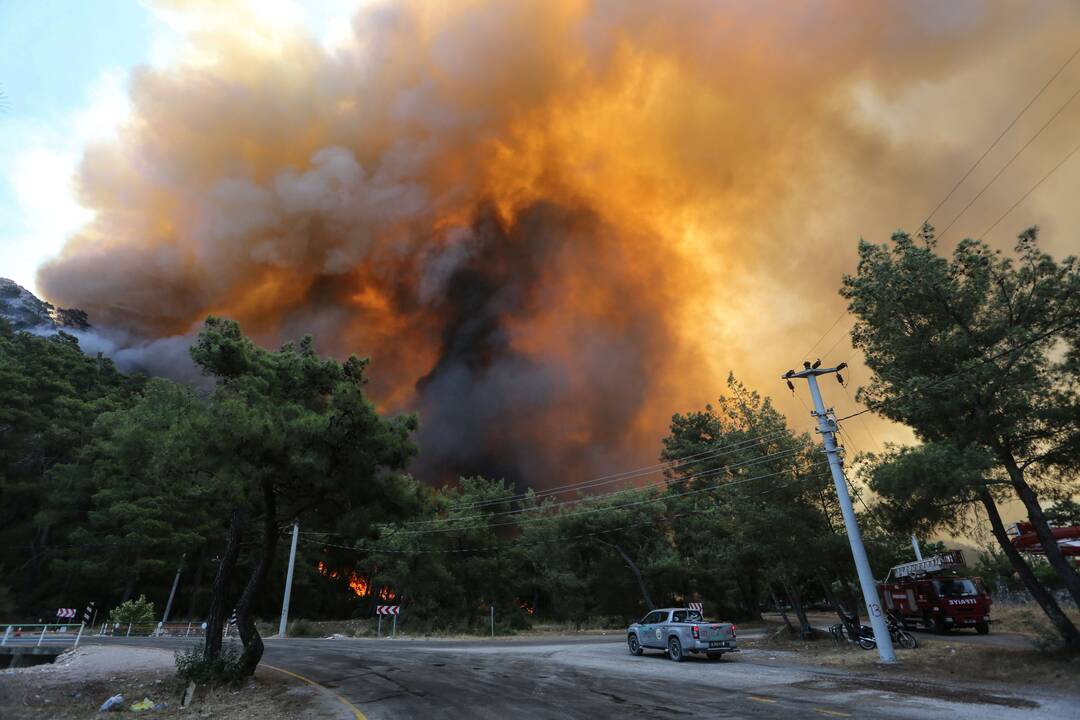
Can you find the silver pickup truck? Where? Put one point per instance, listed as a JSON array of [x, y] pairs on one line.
[[678, 631]]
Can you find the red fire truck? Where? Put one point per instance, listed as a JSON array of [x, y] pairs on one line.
[[936, 594]]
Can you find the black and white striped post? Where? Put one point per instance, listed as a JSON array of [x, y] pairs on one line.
[[393, 610]]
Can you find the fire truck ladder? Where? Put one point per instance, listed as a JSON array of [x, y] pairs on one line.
[[945, 561]]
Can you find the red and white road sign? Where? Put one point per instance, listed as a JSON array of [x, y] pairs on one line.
[[65, 613], [387, 609], [694, 606]]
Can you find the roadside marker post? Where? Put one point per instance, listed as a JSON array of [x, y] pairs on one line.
[[381, 610], [42, 638], [79, 636], [493, 622], [7, 634]]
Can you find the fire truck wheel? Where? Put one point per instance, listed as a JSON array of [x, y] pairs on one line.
[[940, 627], [982, 628]]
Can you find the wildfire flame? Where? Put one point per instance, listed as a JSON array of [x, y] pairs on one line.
[[359, 584]]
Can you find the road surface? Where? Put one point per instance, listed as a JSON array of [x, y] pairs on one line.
[[595, 677]]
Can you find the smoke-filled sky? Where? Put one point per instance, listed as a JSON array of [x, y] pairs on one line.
[[551, 224]]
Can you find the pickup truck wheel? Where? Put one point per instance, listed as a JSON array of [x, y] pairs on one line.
[[634, 644], [674, 649]]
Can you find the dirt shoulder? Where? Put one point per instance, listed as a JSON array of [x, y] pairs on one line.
[[941, 660], [79, 682]]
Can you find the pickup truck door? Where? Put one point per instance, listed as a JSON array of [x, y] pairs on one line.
[[651, 632], [663, 626]]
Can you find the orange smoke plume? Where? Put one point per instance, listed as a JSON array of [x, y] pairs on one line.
[[550, 224]]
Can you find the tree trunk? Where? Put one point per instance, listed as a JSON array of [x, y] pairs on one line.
[[830, 596], [755, 604], [200, 572], [783, 613], [245, 619], [805, 630], [216, 615], [634, 569], [1042, 528], [1042, 596], [853, 600], [129, 586]]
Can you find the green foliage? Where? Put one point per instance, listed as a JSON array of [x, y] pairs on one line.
[[193, 664], [967, 350], [1064, 513], [137, 611], [996, 570], [927, 488], [52, 394], [978, 355]]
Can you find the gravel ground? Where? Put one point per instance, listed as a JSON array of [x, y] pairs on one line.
[[80, 681]]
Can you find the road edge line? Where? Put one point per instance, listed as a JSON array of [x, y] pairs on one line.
[[337, 696]]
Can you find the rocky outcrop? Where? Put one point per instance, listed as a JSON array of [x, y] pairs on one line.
[[25, 311]]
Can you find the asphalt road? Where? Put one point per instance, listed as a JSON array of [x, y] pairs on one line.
[[597, 678]]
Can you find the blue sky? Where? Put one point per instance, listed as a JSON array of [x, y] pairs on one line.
[[63, 76], [64, 66]]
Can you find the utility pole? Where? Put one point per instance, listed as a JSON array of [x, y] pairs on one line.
[[288, 580], [827, 427], [172, 593], [915, 547]]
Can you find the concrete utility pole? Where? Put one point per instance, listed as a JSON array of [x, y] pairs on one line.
[[915, 547], [172, 593], [288, 580], [827, 427]]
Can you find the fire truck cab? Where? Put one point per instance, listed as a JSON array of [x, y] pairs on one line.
[[935, 594]]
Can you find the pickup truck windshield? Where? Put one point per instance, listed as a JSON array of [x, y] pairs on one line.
[[681, 616], [955, 588]]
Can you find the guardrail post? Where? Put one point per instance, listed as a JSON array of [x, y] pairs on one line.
[[188, 631], [77, 637], [42, 638], [7, 634], [129, 630]]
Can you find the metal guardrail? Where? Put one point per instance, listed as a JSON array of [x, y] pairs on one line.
[[36, 634], [152, 629]]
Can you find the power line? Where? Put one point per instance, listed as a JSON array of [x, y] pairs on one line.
[[1009, 163], [546, 541], [593, 498], [616, 477], [1002, 135], [1030, 190], [619, 506], [971, 169], [835, 322]]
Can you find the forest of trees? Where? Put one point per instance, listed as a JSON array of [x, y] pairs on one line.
[[108, 481]]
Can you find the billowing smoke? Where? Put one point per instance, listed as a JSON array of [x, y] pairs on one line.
[[550, 224]]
